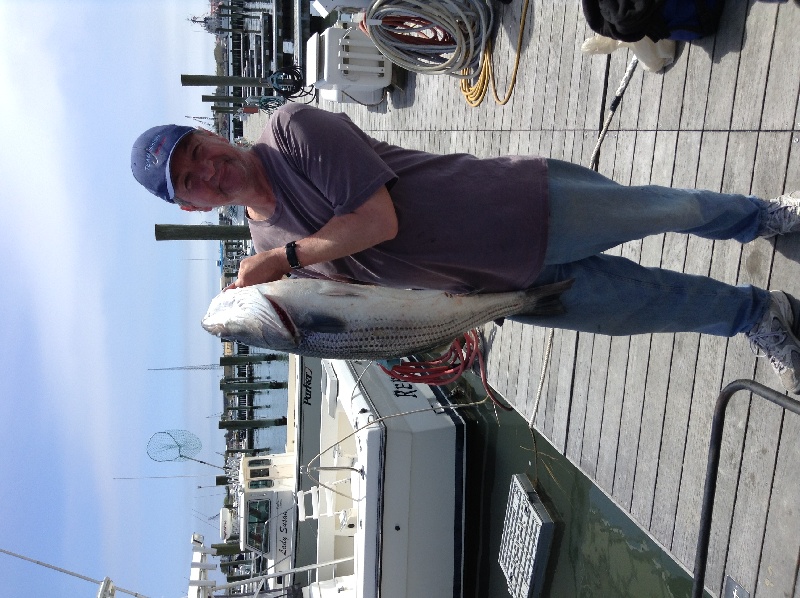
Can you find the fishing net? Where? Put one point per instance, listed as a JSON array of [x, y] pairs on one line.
[[173, 445]]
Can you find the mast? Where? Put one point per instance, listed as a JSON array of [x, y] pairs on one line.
[[105, 584]]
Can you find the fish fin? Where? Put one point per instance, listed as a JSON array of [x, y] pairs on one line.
[[545, 300], [325, 324]]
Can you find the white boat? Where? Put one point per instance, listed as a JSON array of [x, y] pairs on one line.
[[266, 507], [374, 482], [403, 491]]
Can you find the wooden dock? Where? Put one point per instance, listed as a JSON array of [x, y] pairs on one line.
[[634, 413]]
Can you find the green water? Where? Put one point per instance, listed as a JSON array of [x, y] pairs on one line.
[[597, 550]]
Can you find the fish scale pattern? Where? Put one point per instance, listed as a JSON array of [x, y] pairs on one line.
[[384, 342]]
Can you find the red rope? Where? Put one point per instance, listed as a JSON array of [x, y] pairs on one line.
[[448, 367], [413, 30]]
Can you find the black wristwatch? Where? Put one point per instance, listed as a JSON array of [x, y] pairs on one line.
[[291, 255]]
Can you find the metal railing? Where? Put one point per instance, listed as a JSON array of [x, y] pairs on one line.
[[717, 427]]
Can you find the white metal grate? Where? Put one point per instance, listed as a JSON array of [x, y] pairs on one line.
[[525, 544]]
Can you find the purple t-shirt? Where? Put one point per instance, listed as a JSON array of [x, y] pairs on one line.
[[465, 224]]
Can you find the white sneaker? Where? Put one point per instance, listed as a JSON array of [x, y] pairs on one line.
[[772, 337], [781, 215]]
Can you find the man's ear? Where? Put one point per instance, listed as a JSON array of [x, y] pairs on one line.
[[186, 208]]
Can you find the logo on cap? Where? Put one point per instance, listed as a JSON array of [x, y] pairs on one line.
[[153, 150]]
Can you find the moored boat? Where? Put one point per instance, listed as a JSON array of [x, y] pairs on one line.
[[373, 479]]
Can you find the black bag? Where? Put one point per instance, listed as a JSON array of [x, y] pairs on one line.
[[631, 20]]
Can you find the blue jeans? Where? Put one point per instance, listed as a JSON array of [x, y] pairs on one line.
[[613, 295]]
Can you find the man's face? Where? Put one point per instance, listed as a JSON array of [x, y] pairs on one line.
[[207, 172]]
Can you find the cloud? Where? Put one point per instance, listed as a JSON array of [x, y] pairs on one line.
[[61, 308], [94, 301]]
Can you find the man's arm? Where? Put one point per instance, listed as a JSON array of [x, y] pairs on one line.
[[371, 223]]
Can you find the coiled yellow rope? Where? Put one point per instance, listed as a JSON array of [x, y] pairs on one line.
[[475, 93]]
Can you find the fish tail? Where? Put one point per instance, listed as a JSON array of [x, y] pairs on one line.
[[545, 300]]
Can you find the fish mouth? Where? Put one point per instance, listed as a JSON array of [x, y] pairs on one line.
[[285, 319]]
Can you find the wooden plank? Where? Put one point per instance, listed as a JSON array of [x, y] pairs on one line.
[[501, 143], [526, 340], [526, 84], [796, 139], [557, 145], [516, 99], [664, 158], [753, 491], [537, 358], [545, 143], [544, 50], [553, 66], [595, 402], [580, 386], [495, 373], [612, 413], [504, 344], [628, 111], [638, 358], [778, 571], [673, 435], [589, 65], [722, 83], [630, 420], [753, 66], [620, 345], [580, 66], [695, 91], [682, 370], [561, 418], [589, 363], [783, 82], [597, 399], [515, 362], [504, 53], [569, 144], [570, 45], [607, 155], [763, 427], [660, 354], [674, 82], [550, 381], [740, 363], [624, 156], [650, 101], [652, 418], [710, 365]]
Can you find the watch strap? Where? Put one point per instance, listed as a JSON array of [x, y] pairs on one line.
[[291, 255]]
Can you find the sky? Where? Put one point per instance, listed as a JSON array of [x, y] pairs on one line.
[[91, 303]]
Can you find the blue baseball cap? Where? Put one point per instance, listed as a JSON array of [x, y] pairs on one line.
[[150, 158]]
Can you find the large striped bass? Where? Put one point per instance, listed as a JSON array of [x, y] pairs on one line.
[[334, 320]]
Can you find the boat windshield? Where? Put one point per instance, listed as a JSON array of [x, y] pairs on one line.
[[258, 513], [260, 484]]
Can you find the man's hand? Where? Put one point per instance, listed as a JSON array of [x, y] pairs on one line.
[[261, 267], [371, 223]]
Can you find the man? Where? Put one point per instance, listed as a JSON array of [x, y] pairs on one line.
[[325, 200]]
